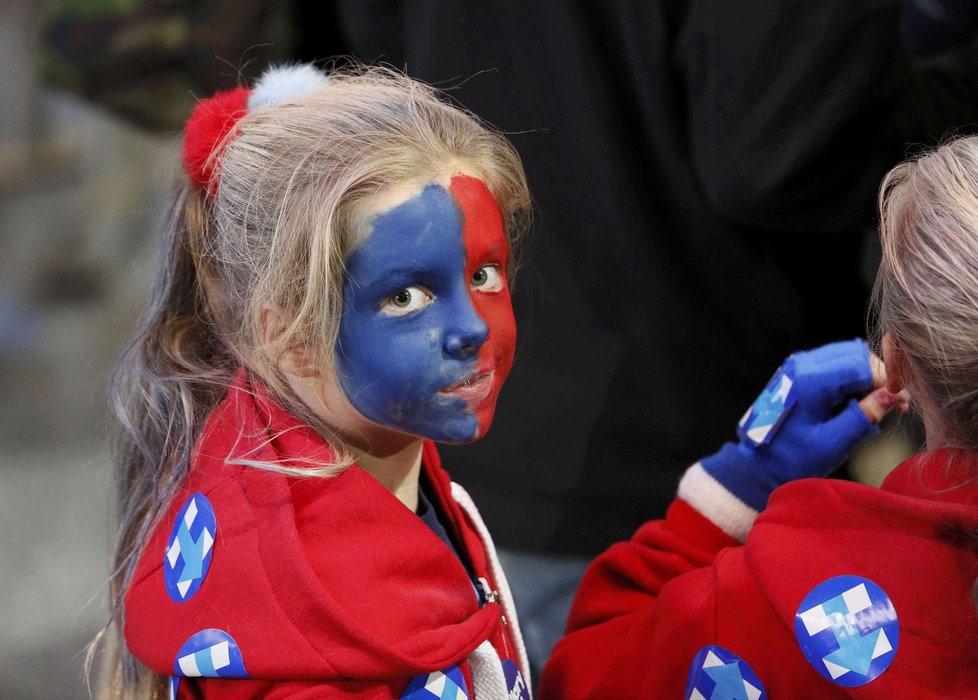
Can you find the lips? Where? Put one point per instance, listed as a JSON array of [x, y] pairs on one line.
[[473, 388]]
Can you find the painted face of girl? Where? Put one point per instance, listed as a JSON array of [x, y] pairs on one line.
[[427, 336]]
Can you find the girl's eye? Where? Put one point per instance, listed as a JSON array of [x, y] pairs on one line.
[[406, 301], [487, 279]]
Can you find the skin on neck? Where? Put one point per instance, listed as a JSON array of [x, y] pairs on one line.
[[935, 437], [399, 471], [393, 459]]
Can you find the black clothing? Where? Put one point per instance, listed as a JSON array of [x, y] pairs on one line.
[[705, 176]]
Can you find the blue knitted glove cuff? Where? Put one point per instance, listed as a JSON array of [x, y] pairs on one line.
[[736, 467]]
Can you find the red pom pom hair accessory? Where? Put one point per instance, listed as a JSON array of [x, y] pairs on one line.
[[216, 117]]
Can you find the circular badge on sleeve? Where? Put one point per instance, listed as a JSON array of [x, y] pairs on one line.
[[847, 629], [210, 653], [189, 549], [447, 684], [719, 674]]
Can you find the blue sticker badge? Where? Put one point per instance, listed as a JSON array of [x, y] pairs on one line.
[[514, 682], [212, 654], [847, 629], [189, 549], [767, 413], [719, 674], [447, 684], [173, 687]]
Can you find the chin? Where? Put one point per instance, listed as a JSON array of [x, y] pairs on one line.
[[455, 441], [451, 438], [462, 432]]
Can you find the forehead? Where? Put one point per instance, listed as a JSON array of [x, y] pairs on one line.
[[404, 220], [421, 232]]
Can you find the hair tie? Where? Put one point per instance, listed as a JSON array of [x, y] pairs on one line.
[[206, 132], [210, 123]]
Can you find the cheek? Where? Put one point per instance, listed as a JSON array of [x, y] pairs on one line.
[[379, 360], [500, 346]]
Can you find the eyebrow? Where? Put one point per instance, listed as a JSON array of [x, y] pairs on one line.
[[393, 275]]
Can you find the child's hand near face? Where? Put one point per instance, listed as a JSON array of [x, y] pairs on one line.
[[881, 401], [806, 422]]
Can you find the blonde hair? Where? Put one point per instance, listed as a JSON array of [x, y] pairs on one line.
[[293, 181], [926, 291]]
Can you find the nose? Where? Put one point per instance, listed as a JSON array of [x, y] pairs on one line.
[[465, 337]]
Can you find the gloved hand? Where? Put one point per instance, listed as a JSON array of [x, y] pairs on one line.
[[801, 424]]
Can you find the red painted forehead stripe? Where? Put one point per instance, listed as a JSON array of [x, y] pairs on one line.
[[483, 231]]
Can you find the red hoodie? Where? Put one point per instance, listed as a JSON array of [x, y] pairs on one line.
[[841, 591], [273, 586]]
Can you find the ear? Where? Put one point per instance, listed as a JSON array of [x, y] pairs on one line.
[[897, 367], [296, 360]]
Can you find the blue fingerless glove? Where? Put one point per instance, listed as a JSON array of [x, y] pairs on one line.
[[795, 428]]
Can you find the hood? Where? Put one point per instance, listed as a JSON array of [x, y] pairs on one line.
[[279, 577], [908, 538]]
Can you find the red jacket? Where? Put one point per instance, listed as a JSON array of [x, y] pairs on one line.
[[650, 612], [275, 586]]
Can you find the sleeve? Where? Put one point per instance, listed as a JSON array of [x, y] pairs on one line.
[[652, 597], [798, 108]]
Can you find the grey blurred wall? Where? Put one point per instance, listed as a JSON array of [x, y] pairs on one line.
[[81, 196]]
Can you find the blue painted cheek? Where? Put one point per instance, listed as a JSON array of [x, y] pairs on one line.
[[395, 380], [392, 368]]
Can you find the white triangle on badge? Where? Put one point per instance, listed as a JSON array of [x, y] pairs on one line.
[[436, 683], [835, 670], [882, 645], [712, 660], [758, 434]]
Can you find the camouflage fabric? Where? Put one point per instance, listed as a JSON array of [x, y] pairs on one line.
[[150, 60]]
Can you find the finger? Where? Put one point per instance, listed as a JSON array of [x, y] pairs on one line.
[[837, 371], [876, 405], [851, 426]]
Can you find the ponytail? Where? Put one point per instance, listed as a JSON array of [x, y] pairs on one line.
[[169, 377]]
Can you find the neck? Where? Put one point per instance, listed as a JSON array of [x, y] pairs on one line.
[[934, 436], [392, 459], [398, 469]]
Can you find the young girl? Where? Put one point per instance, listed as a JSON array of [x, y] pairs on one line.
[[333, 296], [841, 590]]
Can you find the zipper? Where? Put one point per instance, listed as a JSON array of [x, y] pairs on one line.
[[492, 596], [488, 594]]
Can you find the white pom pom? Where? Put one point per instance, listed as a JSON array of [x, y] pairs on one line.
[[283, 83]]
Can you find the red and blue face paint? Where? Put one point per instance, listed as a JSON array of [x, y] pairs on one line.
[[427, 336]]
